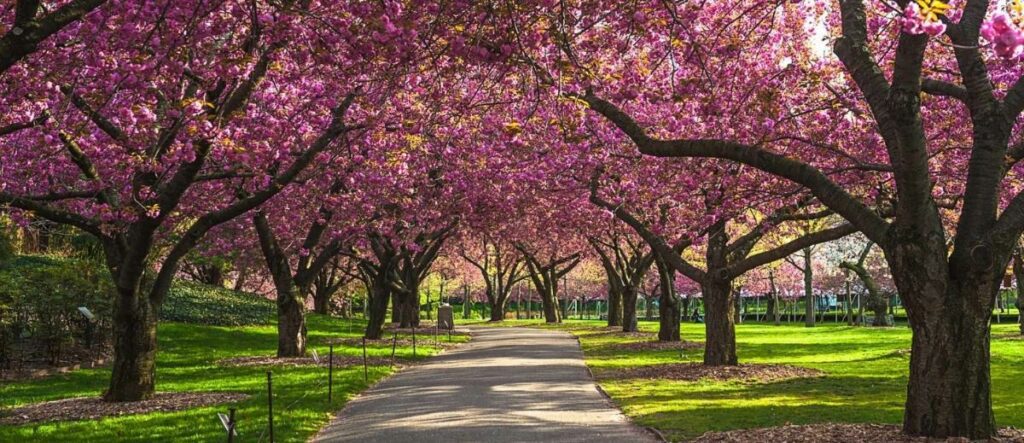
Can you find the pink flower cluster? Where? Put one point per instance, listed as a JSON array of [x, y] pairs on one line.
[[922, 17], [1006, 37]]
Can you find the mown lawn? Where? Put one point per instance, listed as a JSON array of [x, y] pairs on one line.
[[866, 377], [187, 362]]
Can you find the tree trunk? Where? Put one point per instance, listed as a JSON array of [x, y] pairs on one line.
[[1018, 273], [321, 302], [550, 300], [614, 305], [949, 306], [849, 305], [629, 294], [291, 325], [668, 321], [498, 307], [396, 308], [134, 367], [809, 314], [668, 305], [377, 306], [720, 331]]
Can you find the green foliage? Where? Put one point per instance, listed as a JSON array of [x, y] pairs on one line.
[[190, 302], [40, 296]]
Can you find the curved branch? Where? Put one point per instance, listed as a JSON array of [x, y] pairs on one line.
[[827, 191]]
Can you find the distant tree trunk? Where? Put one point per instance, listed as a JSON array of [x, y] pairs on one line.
[[1018, 273], [498, 311], [648, 308], [849, 305], [321, 303], [668, 304], [877, 301], [614, 305], [737, 312], [378, 297], [629, 295], [242, 275], [396, 308], [550, 301], [809, 315]]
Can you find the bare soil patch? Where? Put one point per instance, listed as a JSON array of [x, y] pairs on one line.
[[424, 342], [617, 331], [1012, 336], [698, 371], [837, 433], [655, 345], [269, 360], [91, 408]]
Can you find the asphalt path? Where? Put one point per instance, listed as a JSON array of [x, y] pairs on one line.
[[505, 385]]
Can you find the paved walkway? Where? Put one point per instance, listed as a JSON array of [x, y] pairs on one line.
[[506, 385]]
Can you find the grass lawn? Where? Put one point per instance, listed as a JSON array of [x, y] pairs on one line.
[[186, 362], [866, 377]]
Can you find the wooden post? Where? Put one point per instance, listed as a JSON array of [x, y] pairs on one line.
[[270, 404], [330, 372], [231, 425]]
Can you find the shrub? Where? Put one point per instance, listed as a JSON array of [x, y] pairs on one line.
[[40, 296], [191, 302]]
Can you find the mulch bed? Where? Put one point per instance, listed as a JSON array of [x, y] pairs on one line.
[[29, 362], [698, 371], [1012, 336], [421, 341], [837, 433], [423, 329], [339, 361], [90, 408], [655, 345], [617, 331]]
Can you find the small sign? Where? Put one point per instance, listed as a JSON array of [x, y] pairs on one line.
[[316, 357], [87, 313], [224, 420]]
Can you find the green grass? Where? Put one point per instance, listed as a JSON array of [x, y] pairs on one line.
[[186, 362], [865, 382], [191, 302]]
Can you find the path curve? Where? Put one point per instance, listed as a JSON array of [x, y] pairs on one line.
[[506, 385]]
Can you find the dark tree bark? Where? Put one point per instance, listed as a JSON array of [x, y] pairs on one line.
[[614, 305], [293, 286], [378, 295], [501, 267], [1018, 274], [809, 302], [669, 304], [545, 276], [329, 281], [30, 28], [134, 373], [877, 301], [625, 264]]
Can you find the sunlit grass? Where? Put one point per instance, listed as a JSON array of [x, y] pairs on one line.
[[187, 362], [866, 376]]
